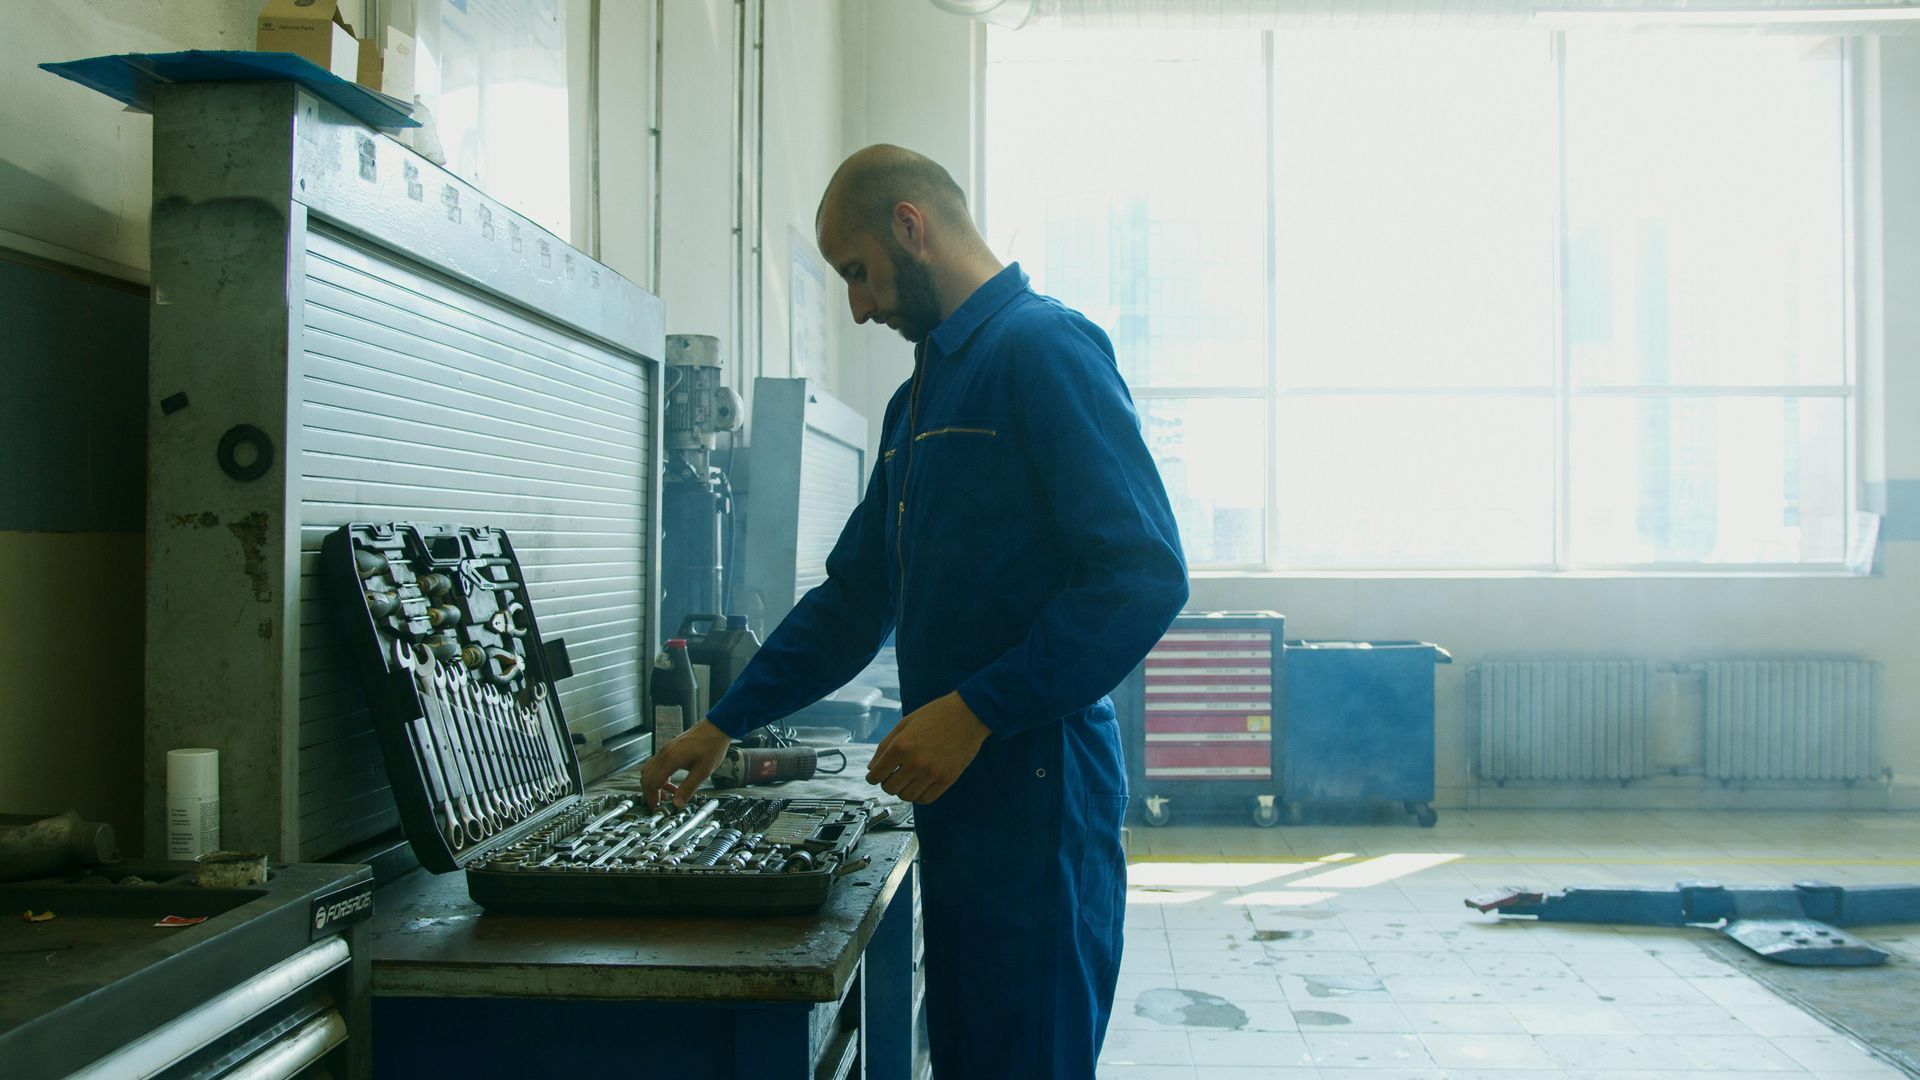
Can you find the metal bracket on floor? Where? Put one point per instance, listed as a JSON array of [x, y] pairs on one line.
[[1795, 924]]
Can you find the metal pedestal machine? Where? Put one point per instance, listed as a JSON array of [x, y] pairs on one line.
[[697, 506]]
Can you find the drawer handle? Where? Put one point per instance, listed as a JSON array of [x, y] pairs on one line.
[[170, 1042], [289, 1055]]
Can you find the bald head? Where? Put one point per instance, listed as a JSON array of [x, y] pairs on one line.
[[894, 226], [868, 185]]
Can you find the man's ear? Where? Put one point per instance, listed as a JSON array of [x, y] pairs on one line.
[[910, 227]]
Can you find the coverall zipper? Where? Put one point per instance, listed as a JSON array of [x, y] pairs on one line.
[[900, 520]]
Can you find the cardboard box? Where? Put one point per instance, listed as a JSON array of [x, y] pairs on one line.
[[314, 29], [389, 70], [396, 73]]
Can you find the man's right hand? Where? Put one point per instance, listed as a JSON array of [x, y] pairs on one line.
[[698, 750]]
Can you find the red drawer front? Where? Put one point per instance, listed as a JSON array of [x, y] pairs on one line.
[[1209, 687], [1221, 654], [1228, 703], [1213, 726], [1158, 668], [1221, 761]]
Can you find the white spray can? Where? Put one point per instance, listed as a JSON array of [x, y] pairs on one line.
[[193, 802]]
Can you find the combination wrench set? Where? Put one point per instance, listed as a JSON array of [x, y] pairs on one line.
[[462, 690]]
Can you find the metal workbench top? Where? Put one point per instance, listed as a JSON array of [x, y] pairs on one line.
[[430, 940]]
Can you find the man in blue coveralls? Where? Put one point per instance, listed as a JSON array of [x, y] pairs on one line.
[[1016, 536]]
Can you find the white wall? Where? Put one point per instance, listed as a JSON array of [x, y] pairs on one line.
[[918, 82], [918, 86], [75, 169], [806, 54], [697, 174]]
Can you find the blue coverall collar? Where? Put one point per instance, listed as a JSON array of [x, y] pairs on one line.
[[951, 335]]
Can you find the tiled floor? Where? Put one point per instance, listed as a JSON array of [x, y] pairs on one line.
[[1347, 952]]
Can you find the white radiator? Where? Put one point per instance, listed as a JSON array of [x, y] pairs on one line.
[[1796, 719], [1564, 720]]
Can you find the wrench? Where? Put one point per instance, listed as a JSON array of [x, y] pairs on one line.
[[498, 738], [509, 750], [546, 753], [435, 726], [484, 765], [437, 784], [487, 811], [516, 736], [550, 732]]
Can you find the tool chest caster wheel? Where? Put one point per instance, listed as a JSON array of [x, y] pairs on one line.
[[1423, 813], [1157, 811], [1265, 814]]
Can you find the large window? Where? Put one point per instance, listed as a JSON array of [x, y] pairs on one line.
[[1453, 299]]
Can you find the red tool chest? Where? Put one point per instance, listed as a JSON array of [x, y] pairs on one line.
[[1200, 714]]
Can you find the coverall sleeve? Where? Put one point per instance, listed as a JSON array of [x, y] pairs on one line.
[[1107, 504], [830, 635]]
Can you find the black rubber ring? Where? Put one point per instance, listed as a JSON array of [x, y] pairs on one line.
[[245, 435]]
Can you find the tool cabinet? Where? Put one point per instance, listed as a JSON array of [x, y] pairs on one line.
[[272, 982], [1200, 714]]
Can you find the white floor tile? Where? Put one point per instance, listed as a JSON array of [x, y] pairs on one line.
[[1750, 1053], [1329, 991], [1264, 1049], [1256, 1073], [1367, 1051], [1626, 1052], [1733, 992], [1686, 1019], [1539, 1019], [1618, 964], [1269, 1016], [1146, 1048], [1447, 965], [1488, 1051], [1145, 1072], [1780, 1021], [1352, 1016], [1319, 963], [1828, 1053], [1221, 938], [1445, 1019], [1234, 988], [1520, 965], [1671, 990]]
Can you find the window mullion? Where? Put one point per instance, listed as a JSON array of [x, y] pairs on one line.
[[1271, 527], [1563, 345]]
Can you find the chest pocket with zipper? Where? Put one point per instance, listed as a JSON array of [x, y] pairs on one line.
[[958, 478]]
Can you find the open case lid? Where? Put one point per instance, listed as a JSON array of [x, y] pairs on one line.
[[459, 681]]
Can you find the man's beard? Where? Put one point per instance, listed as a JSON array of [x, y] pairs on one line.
[[917, 309]]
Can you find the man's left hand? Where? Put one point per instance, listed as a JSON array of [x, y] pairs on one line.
[[928, 750]]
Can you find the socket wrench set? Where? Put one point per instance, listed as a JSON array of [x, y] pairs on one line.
[[463, 693]]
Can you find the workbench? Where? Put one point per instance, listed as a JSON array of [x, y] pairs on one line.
[[461, 992]]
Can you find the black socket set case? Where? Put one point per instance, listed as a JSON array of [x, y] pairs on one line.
[[462, 688]]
